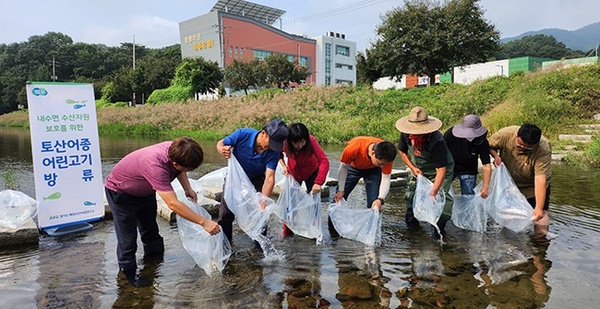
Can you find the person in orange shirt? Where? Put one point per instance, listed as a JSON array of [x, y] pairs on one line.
[[371, 159]]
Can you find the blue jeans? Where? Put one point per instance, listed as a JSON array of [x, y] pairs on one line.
[[372, 179], [467, 184]]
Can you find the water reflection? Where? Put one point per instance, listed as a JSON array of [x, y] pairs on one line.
[[497, 269]]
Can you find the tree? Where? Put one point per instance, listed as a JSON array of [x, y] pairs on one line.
[[203, 76], [119, 89], [155, 70], [281, 71], [431, 37], [241, 75], [367, 71], [539, 45]]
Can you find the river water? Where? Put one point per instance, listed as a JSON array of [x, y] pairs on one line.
[[497, 269]]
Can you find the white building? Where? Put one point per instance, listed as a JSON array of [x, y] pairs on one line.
[[479, 71], [335, 60]]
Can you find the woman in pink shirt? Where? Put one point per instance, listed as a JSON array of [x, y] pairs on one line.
[[306, 160]]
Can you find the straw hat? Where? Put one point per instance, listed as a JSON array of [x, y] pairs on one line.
[[418, 122], [471, 127]]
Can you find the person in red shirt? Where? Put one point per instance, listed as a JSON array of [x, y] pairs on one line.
[[306, 161]]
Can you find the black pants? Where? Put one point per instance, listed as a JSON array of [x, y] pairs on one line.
[[130, 214], [531, 200], [226, 217]]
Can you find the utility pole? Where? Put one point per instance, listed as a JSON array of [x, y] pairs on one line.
[[133, 103], [54, 77]]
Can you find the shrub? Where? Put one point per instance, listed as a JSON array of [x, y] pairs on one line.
[[171, 94]]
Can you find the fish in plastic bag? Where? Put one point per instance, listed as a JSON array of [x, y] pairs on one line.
[[245, 203], [210, 252], [506, 204], [300, 211], [16, 209], [468, 211], [425, 207], [363, 225]]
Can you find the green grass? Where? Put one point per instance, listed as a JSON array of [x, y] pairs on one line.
[[556, 100]]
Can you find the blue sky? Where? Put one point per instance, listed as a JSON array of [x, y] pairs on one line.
[[154, 23]]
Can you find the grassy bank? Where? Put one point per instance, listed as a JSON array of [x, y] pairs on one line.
[[555, 99]]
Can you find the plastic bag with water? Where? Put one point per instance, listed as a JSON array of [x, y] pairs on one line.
[[363, 225], [506, 204], [243, 200], [425, 207], [210, 252], [468, 211], [300, 211], [16, 209]]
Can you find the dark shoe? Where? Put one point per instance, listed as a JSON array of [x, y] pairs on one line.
[[134, 279], [441, 224], [332, 232], [410, 219]]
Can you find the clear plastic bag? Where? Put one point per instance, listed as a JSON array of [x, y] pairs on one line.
[[363, 225], [16, 209], [300, 211], [180, 192], [214, 179], [210, 253], [468, 211], [243, 200], [506, 204], [425, 207]]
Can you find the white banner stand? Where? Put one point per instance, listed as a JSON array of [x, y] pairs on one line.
[[66, 156]]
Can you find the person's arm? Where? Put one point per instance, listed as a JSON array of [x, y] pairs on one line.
[[284, 169], [323, 161], [342, 174], [487, 176], [185, 183], [406, 159], [540, 184], [269, 183], [185, 212], [384, 189], [223, 149], [440, 174], [497, 159]]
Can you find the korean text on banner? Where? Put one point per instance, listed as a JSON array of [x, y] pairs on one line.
[[66, 153]]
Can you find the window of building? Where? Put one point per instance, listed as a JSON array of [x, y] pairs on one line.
[[343, 82], [236, 52], [230, 51], [342, 50], [260, 54], [342, 66], [241, 52], [303, 61]]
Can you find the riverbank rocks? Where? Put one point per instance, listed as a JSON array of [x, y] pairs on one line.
[[26, 234]]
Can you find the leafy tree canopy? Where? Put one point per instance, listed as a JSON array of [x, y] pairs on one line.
[[202, 75], [430, 37], [539, 45]]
